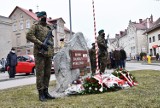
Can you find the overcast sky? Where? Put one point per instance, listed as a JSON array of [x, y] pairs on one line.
[[111, 15]]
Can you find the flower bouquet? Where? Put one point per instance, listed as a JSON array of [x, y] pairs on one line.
[[126, 76]]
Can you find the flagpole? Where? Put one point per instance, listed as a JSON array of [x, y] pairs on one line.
[[70, 17]]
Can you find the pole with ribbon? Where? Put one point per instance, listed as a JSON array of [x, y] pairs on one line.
[[98, 76]]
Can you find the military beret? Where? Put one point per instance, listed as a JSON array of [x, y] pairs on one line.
[[100, 32], [40, 14]]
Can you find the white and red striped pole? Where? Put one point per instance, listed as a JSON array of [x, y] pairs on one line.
[[96, 45]]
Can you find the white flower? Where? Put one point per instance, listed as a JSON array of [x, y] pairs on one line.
[[90, 88], [96, 89]]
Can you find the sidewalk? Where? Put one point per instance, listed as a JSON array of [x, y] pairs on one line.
[[5, 76], [153, 62], [20, 82]]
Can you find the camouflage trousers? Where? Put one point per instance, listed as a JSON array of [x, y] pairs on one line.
[[93, 66], [43, 71], [102, 63]]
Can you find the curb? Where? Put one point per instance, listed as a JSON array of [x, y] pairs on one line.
[[151, 64], [9, 79]]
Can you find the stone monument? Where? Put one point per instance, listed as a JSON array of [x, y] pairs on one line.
[[67, 61]]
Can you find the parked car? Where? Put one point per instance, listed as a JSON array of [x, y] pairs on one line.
[[0, 67], [26, 64]]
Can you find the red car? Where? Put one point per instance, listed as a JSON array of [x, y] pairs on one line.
[[26, 64]]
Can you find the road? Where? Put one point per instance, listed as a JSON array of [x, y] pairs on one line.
[[8, 83]]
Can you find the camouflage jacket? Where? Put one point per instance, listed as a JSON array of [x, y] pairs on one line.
[[37, 34], [92, 54], [102, 45]]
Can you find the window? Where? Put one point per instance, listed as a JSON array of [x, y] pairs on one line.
[[28, 24], [158, 36], [150, 40], [151, 52], [21, 25], [18, 41], [25, 58], [153, 38], [19, 57], [21, 15], [14, 27], [154, 50], [133, 49]]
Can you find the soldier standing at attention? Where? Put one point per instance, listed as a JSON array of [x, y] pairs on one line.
[[92, 54], [102, 45], [37, 34]]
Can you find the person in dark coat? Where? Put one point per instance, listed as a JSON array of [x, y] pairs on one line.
[[112, 60], [123, 58], [117, 57], [12, 63], [157, 56]]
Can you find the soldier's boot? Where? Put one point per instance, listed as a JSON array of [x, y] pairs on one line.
[[47, 95], [41, 96]]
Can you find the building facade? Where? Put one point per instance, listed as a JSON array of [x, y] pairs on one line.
[[153, 37], [22, 20], [5, 36], [133, 39]]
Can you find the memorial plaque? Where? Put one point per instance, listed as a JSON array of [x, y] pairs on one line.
[[79, 59]]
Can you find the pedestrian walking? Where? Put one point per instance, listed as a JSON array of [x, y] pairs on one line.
[[37, 35], [12, 63], [157, 56]]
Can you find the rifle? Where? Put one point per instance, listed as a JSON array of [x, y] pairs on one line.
[[47, 40]]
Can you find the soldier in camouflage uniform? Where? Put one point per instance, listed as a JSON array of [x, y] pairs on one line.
[[43, 62], [102, 56], [92, 54]]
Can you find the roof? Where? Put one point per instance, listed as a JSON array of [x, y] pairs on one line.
[[33, 15], [52, 20], [155, 26], [66, 29], [140, 26]]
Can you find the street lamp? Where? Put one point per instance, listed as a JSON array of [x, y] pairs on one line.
[[70, 19]]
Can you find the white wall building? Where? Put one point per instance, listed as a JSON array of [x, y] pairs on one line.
[[153, 34], [133, 39], [5, 36], [22, 20]]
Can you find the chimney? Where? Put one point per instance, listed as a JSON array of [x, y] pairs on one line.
[[148, 22], [140, 21], [151, 18], [30, 10], [117, 36], [121, 33], [50, 18]]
